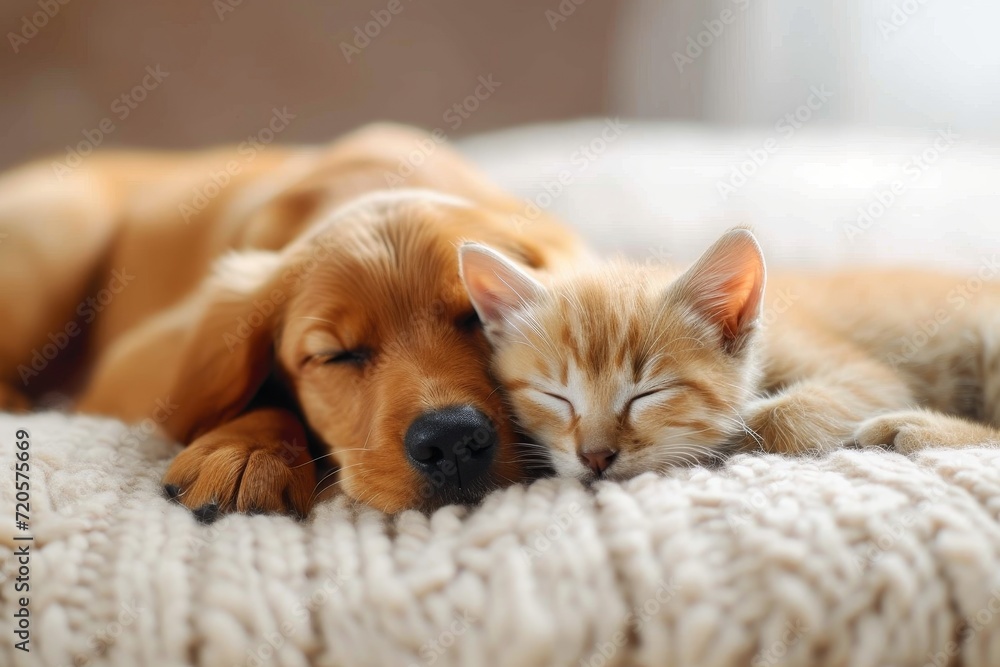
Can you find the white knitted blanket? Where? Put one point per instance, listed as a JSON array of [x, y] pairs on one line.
[[856, 558]]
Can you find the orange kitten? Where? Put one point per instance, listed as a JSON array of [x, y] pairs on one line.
[[620, 369]]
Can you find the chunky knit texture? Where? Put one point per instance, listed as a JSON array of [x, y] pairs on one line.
[[856, 558]]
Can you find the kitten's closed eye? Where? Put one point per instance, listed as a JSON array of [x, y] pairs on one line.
[[650, 397], [555, 402], [638, 397]]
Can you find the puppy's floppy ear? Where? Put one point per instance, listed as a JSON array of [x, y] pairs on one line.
[[497, 286], [229, 349], [726, 286]]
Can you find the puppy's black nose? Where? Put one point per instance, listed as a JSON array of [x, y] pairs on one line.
[[452, 446]]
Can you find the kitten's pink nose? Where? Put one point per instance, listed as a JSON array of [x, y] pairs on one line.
[[598, 461]]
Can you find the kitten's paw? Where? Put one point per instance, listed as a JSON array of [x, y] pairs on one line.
[[214, 476], [795, 423], [913, 430]]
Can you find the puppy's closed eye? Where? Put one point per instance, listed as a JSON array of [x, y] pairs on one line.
[[320, 347], [356, 357]]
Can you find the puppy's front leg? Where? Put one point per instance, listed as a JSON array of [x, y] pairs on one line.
[[258, 462]]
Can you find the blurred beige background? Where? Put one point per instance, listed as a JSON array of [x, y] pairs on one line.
[[231, 61], [65, 65]]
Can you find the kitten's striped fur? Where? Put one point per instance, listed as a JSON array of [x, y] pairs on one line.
[[648, 368]]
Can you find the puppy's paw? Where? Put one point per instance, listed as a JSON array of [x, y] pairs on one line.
[[913, 430], [217, 475]]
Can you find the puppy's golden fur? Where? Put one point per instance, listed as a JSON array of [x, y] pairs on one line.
[[178, 300]]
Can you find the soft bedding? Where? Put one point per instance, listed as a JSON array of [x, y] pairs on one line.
[[851, 558]]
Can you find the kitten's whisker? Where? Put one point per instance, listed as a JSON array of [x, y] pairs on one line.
[[531, 320], [340, 481], [323, 456], [368, 437], [319, 488], [691, 454], [743, 425], [310, 461], [530, 445]]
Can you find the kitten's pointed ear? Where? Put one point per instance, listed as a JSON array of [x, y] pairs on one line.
[[726, 285], [496, 285]]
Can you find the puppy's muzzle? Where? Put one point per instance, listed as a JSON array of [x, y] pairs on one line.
[[453, 446]]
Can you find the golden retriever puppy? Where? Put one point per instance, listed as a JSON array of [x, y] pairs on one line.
[[274, 309]]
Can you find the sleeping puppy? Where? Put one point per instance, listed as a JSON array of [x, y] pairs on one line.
[[271, 308]]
